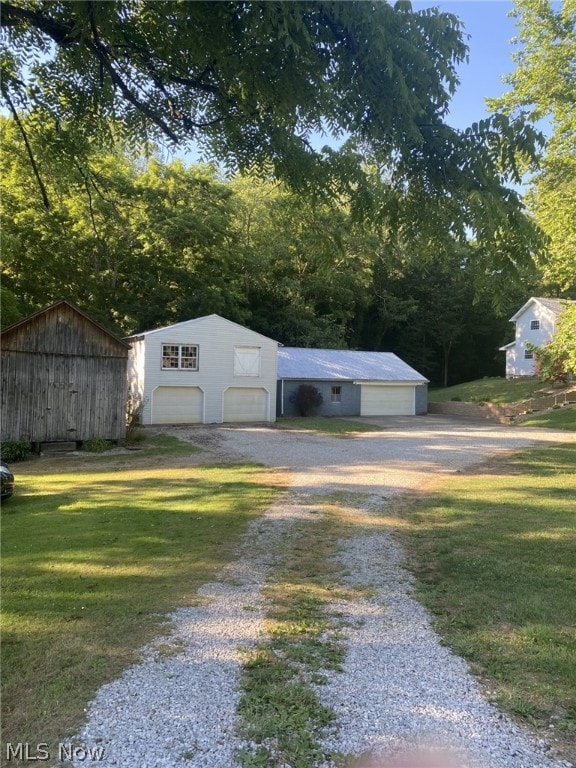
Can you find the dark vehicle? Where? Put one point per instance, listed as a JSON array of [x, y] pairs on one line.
[[6, 482]]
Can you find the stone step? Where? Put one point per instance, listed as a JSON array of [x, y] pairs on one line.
[[50, 449]]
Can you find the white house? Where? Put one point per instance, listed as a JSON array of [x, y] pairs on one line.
[[207, 371], [535, 325]]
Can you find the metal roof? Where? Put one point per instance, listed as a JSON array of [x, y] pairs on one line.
[[344, 365]]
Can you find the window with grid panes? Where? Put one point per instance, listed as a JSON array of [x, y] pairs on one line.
[[179, 357]]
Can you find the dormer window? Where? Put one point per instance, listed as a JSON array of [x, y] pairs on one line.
[[534, 325]]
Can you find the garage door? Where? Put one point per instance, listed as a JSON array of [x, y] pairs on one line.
[[245, 404], [177, 405], [387, 401]]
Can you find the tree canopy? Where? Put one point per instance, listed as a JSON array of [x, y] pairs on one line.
[[557, 359], [544, 88], [140, 244], [253, 83]]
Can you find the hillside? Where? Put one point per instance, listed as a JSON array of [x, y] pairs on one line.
[[493, 390]]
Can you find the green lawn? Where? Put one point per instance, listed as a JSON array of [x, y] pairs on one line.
[[327, 425], [94, 555], [494, 556], [563, 418], [494, 390]]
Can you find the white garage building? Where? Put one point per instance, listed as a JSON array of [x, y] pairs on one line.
[[207, 370], [351, 383]]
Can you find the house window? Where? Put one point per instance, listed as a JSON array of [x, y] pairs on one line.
[[336, 394], [246, 361], [534, 325], [179, 357], [528, 354]]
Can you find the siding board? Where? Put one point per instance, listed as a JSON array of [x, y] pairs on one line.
[[216, 339], [63, 377]]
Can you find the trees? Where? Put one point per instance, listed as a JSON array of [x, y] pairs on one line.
[[136, 243], [543, 88], [306, 265], [140, 243], [557, 360], [251, 80], [253, 83]]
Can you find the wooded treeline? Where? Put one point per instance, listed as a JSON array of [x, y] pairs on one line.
[[139, 243]]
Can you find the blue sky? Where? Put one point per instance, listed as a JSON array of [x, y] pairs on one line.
[[491, 30]]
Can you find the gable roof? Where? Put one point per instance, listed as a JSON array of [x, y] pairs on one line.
[[555, 306], [196, 321], [344, 365], [63, 303]]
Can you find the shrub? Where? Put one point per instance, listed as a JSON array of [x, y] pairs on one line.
[[135, 436], [134, 406], [96, 445], [15, 450], [307, 399]]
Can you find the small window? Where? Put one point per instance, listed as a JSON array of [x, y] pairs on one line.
[[179, 357], [188, 357], [528, 354], [534, 325], [336, 394]]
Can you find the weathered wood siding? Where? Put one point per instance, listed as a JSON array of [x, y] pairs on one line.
[[63, 378]]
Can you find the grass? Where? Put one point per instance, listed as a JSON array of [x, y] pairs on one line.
[[563, 418], [494, 555], [162, 446], [494, 390], [327, 425], [280, 711], [96, 552]]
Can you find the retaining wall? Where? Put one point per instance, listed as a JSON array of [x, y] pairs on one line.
[[503, 414]]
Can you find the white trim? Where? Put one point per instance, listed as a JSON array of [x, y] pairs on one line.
[[237, 375], [236, 386], [198, 320], [179, 386], [179, 368], [385, 383]]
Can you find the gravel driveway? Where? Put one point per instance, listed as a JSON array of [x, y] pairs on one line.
[[399, 685]]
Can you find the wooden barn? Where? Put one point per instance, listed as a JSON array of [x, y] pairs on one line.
[[63, 378]]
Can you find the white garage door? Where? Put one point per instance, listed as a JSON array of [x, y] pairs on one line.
[[245, 404], [177, 405], [387, 401]]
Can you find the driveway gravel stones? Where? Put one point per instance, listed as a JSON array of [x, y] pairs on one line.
[[400, 686]]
